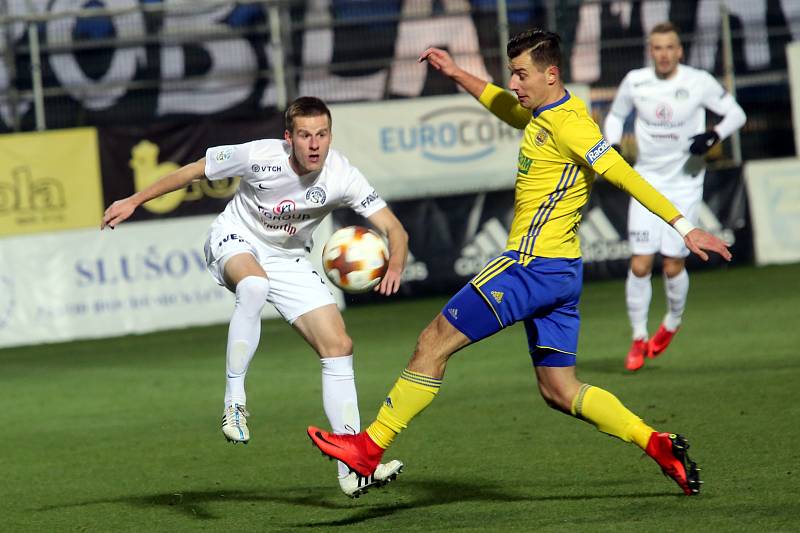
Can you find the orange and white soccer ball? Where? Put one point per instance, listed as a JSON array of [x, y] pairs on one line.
[[355, 259]]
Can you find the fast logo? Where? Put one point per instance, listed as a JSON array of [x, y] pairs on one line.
[[597, 151]]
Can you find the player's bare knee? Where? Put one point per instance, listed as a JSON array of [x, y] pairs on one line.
[[673, 267], [641, 269]]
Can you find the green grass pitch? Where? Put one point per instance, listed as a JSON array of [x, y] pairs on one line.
[[122, 434]]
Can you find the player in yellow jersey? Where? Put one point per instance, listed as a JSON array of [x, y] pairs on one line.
[[538, 279]]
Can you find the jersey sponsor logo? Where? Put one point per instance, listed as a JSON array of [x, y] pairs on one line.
[[316, 195], [232, 237], [268, 215], [288, 228], [498, 296], [523, 163], [284, 207], [597, 151], [541, 137], [639, 236], [664, 112], [371, 197], [256, 168], [223, 155]]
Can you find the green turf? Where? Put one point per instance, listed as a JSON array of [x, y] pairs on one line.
[[122, 434]]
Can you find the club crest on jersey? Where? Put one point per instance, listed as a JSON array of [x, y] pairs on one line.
[[541, 137], [597, 151], [316, 195], [224, 155], [284, 207]]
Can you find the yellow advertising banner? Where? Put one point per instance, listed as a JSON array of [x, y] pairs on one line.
[[49, 181]]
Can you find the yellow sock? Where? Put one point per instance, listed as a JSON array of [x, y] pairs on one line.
[[607, 413], [410, 395]]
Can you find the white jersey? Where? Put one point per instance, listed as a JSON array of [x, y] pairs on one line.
[[668, 113], [276, 205]]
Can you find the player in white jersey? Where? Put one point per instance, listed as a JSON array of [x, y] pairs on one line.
[[670, 100], [258, 247]]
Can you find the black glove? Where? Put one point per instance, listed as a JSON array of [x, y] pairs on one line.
[[618, 148], [703, 142]]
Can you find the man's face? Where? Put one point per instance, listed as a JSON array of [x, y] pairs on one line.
[[528, 82], [666, 52], [310, 142]]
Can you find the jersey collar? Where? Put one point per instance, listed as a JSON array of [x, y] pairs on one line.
[[557, 103]]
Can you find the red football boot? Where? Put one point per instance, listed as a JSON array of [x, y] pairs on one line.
[[636, 355], [660, 341], [669, 451], [359, 452]]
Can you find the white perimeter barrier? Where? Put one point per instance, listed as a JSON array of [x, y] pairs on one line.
[[140, 277], [773, 192]]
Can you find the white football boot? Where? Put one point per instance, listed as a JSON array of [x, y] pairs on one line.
[[234, 423], [354, 485]]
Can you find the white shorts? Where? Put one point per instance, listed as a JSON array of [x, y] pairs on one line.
[[295, 288], [649, 235]]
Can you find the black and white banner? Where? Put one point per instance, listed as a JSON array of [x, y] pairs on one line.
[[451, 238]]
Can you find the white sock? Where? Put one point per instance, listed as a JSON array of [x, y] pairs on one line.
[[339, 398], [676, 289], [243, 334], [638, 292]]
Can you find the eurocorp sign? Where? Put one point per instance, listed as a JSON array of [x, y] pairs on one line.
[[451, 134], [427, 146]]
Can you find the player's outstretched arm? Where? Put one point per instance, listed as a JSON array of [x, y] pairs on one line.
[[121, 210], [388, 224], [444, 63], [699, 241]]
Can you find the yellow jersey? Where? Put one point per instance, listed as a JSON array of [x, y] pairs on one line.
[[560, 151]]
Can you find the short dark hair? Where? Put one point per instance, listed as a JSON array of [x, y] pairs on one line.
[[544, 47], [666, 27], [305, 106]]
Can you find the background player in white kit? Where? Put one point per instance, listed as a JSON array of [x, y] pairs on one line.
[[670, 100], [258, 246]]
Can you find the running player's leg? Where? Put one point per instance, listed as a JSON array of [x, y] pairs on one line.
[[644, 238], [676, 281]]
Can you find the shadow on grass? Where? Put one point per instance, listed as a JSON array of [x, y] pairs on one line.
[[415, 495]]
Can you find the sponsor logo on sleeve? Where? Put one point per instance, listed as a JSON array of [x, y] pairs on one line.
[[371, 197], [597, 151], [224, 155]]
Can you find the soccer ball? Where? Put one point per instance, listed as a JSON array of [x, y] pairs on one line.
[[355, 259]]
